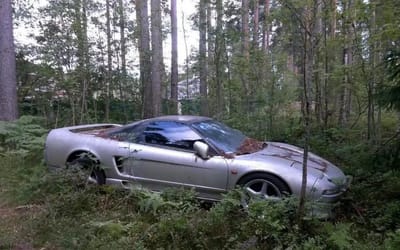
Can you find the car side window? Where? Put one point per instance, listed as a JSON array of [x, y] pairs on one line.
[[170, 134], [129, 134]]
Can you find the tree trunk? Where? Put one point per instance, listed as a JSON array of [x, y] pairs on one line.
[[255, 24], [144, 56], [330, 58], [307, 76], [122, 22], [333, 19], [187, 68], [8, 82], [307, 21], [211, 64], [218, 61], [265, 27], [245, 53], [80, 29], [174, 58], [203, 57], [318, 72], [109, 62], [85, 55], [371, 132], [345, 95], [245, 29], [156, 62]]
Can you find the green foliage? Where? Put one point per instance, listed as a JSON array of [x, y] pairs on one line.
[[340, 236], [273, 223], [153, 203], [389, 95], [69, 215], [393, 240], [389, 216], [110, 229], [387, 155], [93, 217], [22, 137], [191, 106]]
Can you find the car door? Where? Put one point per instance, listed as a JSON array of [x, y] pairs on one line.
[[163, 156]]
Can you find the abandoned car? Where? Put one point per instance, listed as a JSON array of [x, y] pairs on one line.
[[194, 152]]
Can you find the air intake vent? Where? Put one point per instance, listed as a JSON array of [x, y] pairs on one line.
[[119, 162]]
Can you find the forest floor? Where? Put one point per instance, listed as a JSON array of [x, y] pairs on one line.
[[15, 218], [12, 231]]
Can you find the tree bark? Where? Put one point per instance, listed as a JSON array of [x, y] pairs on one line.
[[8, 82], [218, 62], [245, 29], [122, 22], [174, 58], [80, 29], [245, 54], [144, 56], [109, 62], [318, 72], [371, 132], [307, 78], [255, 24], [156, 62], [203, 57], [265, 27], [345, 95]]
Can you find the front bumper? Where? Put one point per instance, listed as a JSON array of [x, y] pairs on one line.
[[324, 206]]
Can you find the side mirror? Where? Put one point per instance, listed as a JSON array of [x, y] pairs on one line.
[[201, 149]]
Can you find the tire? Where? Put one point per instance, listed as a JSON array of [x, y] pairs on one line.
[[89, 168], [263, 186]]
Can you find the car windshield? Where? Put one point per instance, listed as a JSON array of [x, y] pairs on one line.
[[223, 137]]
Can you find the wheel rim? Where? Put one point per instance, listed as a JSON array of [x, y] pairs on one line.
[[92, 177], [262, 189], [86, 173]]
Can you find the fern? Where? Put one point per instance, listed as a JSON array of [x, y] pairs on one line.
[[154, 203], [340, 235], [22, 137], [111, 228], [393, 241]]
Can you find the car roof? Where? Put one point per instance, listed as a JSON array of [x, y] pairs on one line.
[[188, 119]]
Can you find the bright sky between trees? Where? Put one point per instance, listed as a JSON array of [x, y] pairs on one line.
[[23, 31]]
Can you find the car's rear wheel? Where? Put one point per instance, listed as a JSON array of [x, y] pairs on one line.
[[263, 186], [88, 168]]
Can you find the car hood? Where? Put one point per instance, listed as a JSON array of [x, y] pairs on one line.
[[316, 165]]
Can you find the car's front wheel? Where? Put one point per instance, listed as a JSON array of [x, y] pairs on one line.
[[263, 186]]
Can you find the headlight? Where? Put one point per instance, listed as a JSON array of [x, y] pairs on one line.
[[331, 191]]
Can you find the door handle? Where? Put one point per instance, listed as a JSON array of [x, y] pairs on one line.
[[135, 150]]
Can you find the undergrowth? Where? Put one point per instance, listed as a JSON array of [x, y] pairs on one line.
[[58, 212]]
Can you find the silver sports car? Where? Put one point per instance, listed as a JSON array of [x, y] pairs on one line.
[[195, 152]]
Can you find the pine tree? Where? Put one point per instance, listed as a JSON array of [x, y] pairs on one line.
[[8, 82]]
